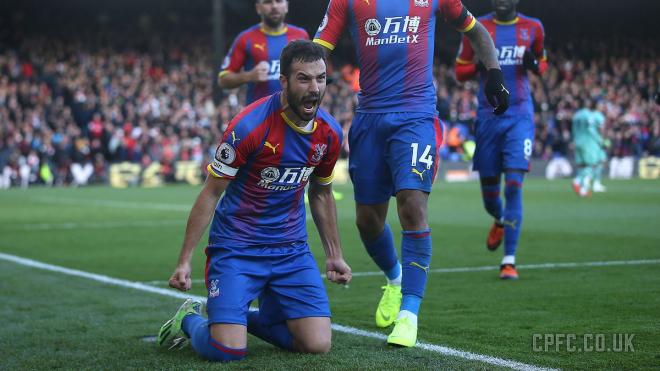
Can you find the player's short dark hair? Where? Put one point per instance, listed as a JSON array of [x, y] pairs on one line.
[[300, 51]]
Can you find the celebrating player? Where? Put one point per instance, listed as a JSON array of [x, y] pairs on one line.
[[504, 143], [258, 241], [589, 149], [396, 135], [257, 51]]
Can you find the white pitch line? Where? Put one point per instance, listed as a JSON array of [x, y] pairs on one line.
[[494, 268], [340, 328], [445, 350]]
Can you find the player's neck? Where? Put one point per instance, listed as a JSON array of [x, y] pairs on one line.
[[506, 17], [291, 114], [272, 30]]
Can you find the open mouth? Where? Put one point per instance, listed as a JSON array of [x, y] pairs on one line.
[[309, 105]]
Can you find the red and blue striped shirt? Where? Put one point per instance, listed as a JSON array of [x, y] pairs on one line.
[[394, 42], [255, 45], [511, 40], [270, 160]]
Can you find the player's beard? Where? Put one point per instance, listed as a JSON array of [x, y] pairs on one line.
[[274, 21], [297, 104]]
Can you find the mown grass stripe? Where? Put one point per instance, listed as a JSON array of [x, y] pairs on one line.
[[495, 267], [345, 329]]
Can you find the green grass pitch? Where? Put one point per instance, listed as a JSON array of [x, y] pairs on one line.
[[51, 320]]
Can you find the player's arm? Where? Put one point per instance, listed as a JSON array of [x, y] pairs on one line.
[[536, 60], [324, 211], [496, 94], [480, 42], [232, 74], [458, 15], [602, 140], [199, 218], [332, 24], [223, 168], [465, 67], [230, 80], [597, 131], [483, 46]]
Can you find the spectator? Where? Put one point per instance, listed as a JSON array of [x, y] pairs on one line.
[[72, 105]]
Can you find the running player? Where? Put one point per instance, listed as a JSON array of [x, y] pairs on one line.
[[254, 57], [589, 149], [396, 135], [505, 143]]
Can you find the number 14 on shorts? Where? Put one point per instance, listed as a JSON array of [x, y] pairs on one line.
[[425, 158]]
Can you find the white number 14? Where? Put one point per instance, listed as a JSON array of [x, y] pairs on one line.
[[426, 157]]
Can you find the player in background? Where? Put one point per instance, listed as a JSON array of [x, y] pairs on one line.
[[257, 244], [254, 57], [505, 143], [590, 146], [396, 135]]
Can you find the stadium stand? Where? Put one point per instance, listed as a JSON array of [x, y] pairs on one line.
[[69, 110]]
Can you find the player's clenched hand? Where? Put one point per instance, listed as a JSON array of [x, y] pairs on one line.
[[180, 279], [495, 91], [337, 271], [260, 72], [530, 62]]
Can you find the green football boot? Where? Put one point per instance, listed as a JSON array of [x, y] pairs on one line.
[[171, 334], [404, 333], [389, 305]]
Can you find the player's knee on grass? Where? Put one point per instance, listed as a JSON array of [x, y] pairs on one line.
[[412, 209], [232, 335], [316, 345], [312, 334]]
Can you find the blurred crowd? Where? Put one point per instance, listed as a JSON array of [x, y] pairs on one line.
[[68, 111], [622, 76]]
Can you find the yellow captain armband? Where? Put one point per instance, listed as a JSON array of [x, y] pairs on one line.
[[324, 181], [213, 172], [469, 27], [463, 61], [324, 43]]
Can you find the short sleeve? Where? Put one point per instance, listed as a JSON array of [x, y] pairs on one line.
[[231, 154], [234, 60], [538, 43], [324, 172], [332, 24], [454, 12]]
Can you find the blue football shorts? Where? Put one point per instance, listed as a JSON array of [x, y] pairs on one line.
[[390, 152], [503, 143], [284, 278]]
